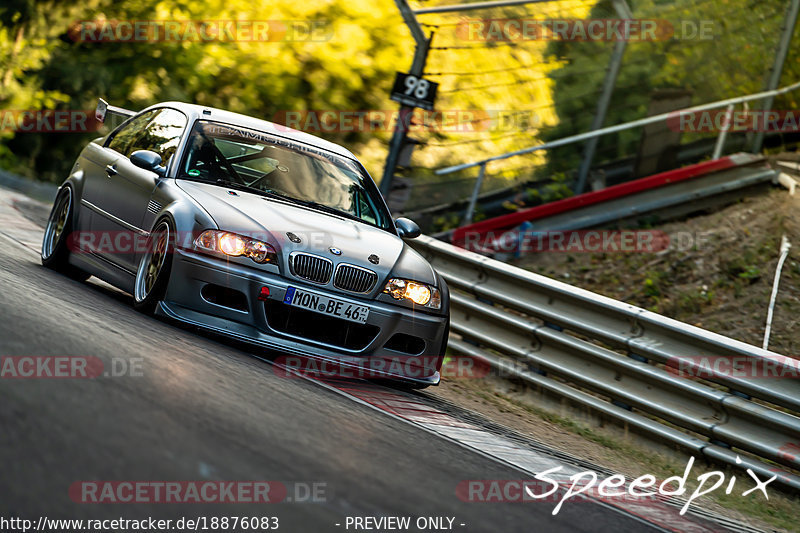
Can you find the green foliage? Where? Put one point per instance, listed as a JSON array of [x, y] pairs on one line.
[[752, 273], [693, 301], [651, 288], [43, 68], [656, 284], [745, 267], [556, 190], [551, 88], [446, 222], [733, 62]]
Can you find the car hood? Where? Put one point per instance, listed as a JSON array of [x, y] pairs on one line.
[[272, 221]]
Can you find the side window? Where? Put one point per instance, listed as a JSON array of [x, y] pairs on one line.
[[365, 211], [161, 135], [122, 140]]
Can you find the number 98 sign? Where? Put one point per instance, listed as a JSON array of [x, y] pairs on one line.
[[413, 91]]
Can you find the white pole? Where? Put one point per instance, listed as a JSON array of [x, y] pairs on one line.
[[784, 253]]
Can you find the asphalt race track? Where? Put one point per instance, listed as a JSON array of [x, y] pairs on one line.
[[191, 407]]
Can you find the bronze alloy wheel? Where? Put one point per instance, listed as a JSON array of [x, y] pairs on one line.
[[56, 223], [153, 272]]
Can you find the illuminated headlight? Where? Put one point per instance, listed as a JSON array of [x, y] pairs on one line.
[[419, 293], [234, 245]]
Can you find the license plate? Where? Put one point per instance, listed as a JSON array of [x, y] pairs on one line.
[[326, 306]]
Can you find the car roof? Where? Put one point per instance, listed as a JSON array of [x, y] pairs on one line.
[[195, 112]]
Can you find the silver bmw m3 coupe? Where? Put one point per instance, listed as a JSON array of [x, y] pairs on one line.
[[253, 230]]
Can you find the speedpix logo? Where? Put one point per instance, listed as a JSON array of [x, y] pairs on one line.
[[548, 486]]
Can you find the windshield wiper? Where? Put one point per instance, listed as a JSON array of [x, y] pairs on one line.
[[237, 185], [314, 205], [331, 210], [305, 203], [319, 207], [240, 186]]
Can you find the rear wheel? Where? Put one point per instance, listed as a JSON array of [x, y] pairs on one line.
[[153, 273], [55, 247]]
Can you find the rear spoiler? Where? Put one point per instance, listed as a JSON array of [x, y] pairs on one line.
[[104, 109]]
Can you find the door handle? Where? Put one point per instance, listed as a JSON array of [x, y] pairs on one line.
[[111, 170]]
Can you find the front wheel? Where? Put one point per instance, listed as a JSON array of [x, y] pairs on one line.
[[153, 273], [55, 248]]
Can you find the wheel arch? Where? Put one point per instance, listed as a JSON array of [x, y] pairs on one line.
[[186, 217], [74, 183]]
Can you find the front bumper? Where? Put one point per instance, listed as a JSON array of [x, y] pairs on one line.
[[276, 326]]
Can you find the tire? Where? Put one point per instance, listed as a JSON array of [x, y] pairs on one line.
[[155, 266], [445, 338], [55, 245]]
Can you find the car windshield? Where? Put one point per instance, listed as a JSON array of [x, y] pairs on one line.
[[276, 167]]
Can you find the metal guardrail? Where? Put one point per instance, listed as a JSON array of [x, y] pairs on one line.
[[624, 362], [626, 126], [668, 193], [595, 133]]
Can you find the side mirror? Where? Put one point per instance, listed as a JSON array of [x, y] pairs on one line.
[[148, 160], [407, 228]]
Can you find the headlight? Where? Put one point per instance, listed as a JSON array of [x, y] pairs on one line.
[[419, 293], [234, 245]]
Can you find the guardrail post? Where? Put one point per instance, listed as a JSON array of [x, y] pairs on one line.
[[474, 198], [610, 81], [404, 116], [789, 22], [523, 231], [637, 357], [723, 133], [564, 141], [719, 443], [536, 370], [518, 338]]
